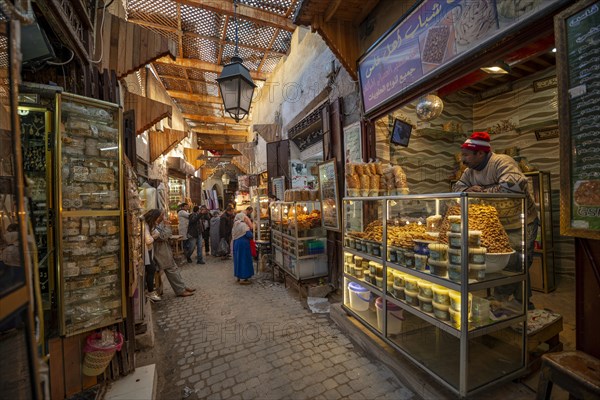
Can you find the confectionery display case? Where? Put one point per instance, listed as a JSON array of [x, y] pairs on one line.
[[36, 124], [260, 217], [298, 240], [90, 234], [438, 277]]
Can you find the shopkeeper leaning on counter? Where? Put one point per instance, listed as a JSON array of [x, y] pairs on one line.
[[499, 173]]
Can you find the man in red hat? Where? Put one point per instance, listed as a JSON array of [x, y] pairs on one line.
[[499, 173]]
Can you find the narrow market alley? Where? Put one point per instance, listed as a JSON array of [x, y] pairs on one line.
[[255, 341]]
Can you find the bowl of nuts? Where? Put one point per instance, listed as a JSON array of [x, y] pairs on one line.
[[495, 262]]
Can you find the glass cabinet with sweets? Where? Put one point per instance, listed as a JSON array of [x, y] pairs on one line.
[[298, 240], [260, 217], [90, 214], [446, 269]]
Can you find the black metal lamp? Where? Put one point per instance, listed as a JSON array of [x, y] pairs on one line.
[[235, 83]]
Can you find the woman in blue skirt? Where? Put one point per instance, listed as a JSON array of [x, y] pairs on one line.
[[243, 269]]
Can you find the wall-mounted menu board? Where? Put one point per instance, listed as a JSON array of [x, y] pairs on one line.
[[578, 49]]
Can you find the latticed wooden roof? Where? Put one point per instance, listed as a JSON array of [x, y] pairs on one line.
[[205, 33]]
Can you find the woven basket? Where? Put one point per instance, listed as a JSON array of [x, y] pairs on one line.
[[95, 362], [97, 359]]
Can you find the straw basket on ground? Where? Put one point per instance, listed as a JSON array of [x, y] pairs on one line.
[[97, 358]]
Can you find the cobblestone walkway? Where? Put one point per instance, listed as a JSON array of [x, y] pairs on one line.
[[256, 342]]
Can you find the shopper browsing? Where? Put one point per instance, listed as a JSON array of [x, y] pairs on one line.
[[242, 258], [205, 221], [215, 237], [499, 173], [183, 217], [156, 237], [195, 232], [226, 224]]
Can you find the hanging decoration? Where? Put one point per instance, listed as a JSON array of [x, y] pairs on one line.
[[429, 107]]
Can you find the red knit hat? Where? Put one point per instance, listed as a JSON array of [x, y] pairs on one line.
[[479, 141]]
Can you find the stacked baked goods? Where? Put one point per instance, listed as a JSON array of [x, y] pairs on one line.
[[375, 179], [482, 218]]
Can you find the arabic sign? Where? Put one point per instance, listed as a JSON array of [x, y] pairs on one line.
[[435, 34], [581, 92]]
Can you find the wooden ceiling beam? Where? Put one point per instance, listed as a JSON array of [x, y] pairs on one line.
[[197, 98], [245, 12], [222, 131], [204, 66], [213, 119], [219, 41], [331, 9]]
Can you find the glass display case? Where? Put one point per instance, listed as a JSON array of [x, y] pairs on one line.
[[260, 216], [90, 214], [542, 269], [36, 123], [298, 240], [411, 264]]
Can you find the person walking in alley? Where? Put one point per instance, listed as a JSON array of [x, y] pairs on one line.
[[156, 237], [205, 221], [183, 217], [195, 231], [242, 258], [215, 237], [225, 227]]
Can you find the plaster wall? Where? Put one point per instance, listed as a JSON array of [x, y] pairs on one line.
[[260, 155], [297, 80]]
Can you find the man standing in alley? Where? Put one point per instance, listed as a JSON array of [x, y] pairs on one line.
[[226, 225], [195, 232], [183, 217], [205, 221]]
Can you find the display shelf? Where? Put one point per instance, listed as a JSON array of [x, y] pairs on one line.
[[304, 218], [368, 319], [292, 254], [364, 255], [370, 286], [419, 227]]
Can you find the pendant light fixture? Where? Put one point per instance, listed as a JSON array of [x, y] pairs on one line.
[[235, 83]]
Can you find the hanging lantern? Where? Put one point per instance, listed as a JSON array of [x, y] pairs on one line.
[[235, 83]]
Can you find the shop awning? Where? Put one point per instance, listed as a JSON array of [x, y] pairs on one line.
[[147, 111], [127, 47], [178, 164], [269, 132], [162, 142], [194, 157], [222, 149]]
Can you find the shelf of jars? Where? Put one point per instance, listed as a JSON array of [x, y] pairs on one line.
[[298, 239], [414, 257]]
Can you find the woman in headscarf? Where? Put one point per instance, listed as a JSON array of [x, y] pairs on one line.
[[215, 237], [158, 253], [242, 258]]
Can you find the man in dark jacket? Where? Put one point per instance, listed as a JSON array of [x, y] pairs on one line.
[[225, 229], [205, 221], [195, 231]]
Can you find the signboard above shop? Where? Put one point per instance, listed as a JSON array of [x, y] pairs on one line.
[[438, 34]]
